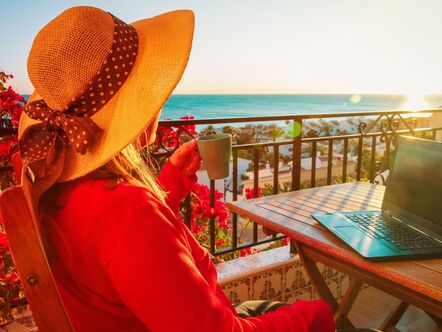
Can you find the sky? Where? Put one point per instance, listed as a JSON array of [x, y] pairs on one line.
[[272, 46]]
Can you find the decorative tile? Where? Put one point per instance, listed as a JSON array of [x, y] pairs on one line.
[[344, 282], [23, 322], [267, 285], [333, 285], [307, 293], [275, 274], [295, 277], [327, 272], [289, 298], [237, 291]]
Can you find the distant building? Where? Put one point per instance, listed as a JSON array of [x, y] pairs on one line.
[[224, 185], [285, 171]]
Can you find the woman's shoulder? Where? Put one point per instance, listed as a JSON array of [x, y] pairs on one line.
[[107, 191], [90, 194], [125, 205], [119, 204]]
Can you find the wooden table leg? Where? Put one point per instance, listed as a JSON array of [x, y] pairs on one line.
[[323, 290], [347, 301], [437, 320], [394, 317]]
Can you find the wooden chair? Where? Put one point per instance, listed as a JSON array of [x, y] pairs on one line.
[[27, 249]]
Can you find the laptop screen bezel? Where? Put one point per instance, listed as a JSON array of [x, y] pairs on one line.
[[398, 212]]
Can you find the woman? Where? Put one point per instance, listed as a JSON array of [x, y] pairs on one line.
[[121, 258]]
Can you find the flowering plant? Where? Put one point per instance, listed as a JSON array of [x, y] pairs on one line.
[[10, 285], [250, 193], [170, 138], [201, 213], [200, 216], [11, 106]]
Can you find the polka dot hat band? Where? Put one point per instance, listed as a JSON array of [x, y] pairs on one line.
[[73, 126]]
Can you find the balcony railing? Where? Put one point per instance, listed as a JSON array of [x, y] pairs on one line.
[[359, 157], [372, 131]]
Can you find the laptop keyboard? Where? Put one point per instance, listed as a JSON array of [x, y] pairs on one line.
[[382, 226]]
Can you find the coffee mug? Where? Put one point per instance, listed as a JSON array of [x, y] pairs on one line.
[[215, 151]]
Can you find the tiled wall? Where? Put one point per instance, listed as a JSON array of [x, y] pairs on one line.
[[274, 275]]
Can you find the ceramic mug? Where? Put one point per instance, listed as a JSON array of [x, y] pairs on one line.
[[215, 151]]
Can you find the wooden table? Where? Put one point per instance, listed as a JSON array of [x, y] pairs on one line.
[[417, 282]]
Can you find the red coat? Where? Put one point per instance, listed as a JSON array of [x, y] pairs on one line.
[[124, 262]]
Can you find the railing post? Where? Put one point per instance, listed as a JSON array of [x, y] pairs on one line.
[[275, 169], [373, 159], [359, 162], [387, 152], [235, 197], [344, 162], [297, 144], [212, 218], [255, 188], [188, 209], [313, 174], [330, 161]]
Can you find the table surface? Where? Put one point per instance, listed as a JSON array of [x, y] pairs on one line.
[[290, 213]]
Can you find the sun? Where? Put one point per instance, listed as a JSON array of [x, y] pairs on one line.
[[415, 104]]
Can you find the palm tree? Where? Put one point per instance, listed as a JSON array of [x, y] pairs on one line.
[[230, 130], [275, 133]]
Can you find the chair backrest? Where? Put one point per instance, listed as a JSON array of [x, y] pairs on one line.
[[27, 249]]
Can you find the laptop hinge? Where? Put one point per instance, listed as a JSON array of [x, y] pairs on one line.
[[387, 212]]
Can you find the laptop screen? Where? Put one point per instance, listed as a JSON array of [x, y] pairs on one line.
[[415, 183]]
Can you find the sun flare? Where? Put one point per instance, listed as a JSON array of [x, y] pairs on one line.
[[416, 103]]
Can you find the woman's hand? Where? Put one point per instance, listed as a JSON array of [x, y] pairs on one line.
[[187, 158]]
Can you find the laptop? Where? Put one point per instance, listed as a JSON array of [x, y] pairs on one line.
[[410, 223]]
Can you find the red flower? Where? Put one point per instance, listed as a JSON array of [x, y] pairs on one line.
[[3, 148], [4, 243], [11, 106], [196, 228], [202, 213], [248, 251], [172, 137], [168, 138], [250, 193], [187, 129]]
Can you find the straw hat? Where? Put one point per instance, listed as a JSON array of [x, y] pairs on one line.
[[99, 83]]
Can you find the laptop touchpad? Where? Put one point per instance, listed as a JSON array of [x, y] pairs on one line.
[[361, 242]]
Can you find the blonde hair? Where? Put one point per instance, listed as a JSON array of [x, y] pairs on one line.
[[128, 166]]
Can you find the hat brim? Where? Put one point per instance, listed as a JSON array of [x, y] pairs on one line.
[[164, 44]]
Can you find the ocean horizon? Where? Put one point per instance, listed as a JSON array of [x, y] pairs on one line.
[[211, 106], [218, 106]]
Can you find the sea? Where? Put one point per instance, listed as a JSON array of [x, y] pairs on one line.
[[230, 106], [218, 106]]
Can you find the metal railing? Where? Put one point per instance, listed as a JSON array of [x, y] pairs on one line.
[[373, 129]]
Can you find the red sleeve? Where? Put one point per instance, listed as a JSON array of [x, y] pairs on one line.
[[176, 184], [155, 275]]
